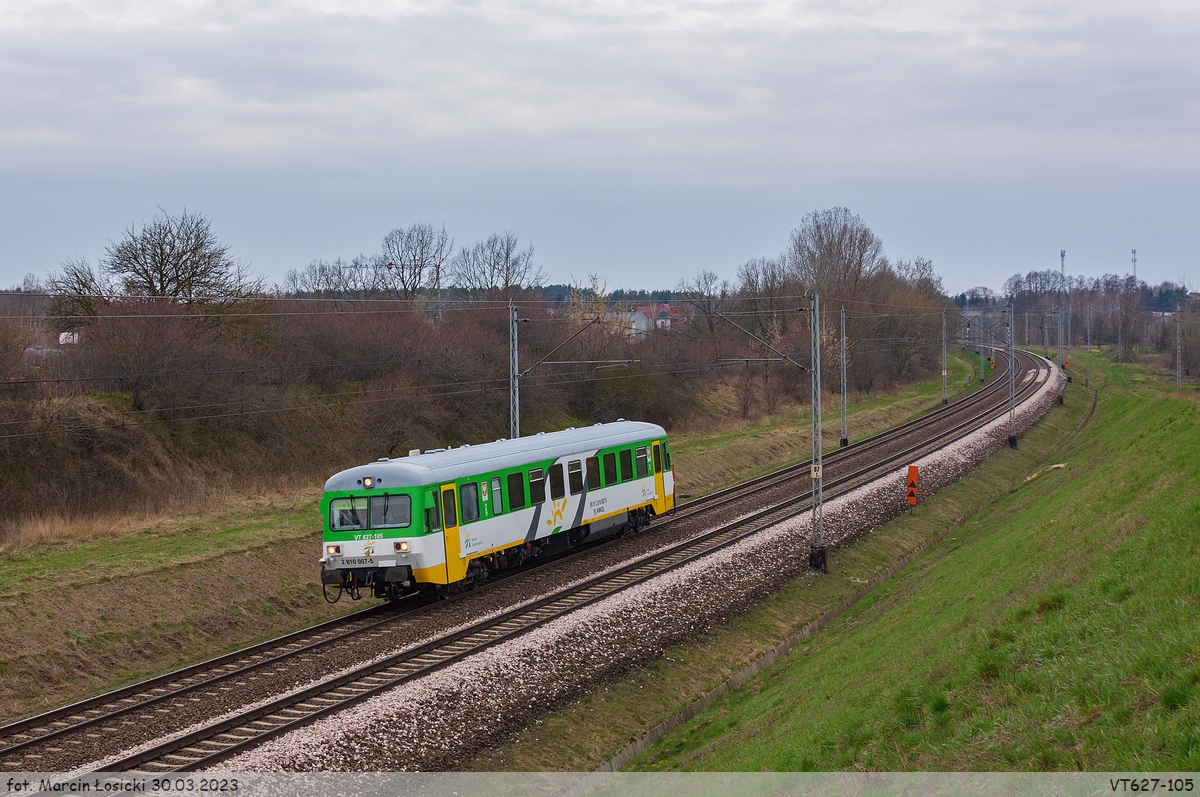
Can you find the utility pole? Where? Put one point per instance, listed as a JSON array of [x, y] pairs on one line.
[[945, 396], [1027, 329], [1089, 326], [514, 377], [1058, 315], [1178, 346], [1120, 318], [979, 338], [816, 554], [845, 430], [816, 551], [1012, 380], [1046, 333], [1068, 329], [1134, 268], [1067, 300]]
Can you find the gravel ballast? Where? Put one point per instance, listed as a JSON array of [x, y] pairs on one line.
[[438, 721]]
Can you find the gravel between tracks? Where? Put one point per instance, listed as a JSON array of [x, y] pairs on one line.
[[438, 721], [174, 717]]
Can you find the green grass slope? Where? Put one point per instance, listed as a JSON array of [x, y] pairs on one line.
[[1058, 629]]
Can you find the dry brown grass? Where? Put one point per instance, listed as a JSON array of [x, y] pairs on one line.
[[184, 509], [43, 529]]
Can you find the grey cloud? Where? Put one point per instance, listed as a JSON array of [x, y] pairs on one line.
[[492, 101]]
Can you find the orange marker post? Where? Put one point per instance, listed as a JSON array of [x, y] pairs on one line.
[[912, 485]]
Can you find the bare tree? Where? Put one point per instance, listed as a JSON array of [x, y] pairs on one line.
[[177, 257], [77, 294], [764, 288], [833, 252], [414, 259], [13, 340], [708, 294], [171, 257], [336, 279], [496, 269], [918, 275], [138, 343]]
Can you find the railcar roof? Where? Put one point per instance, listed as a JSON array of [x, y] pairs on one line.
[[468, 460]]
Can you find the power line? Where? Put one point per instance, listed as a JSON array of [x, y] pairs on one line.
[[498, 385]]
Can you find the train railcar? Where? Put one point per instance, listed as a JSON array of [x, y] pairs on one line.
[[444, 519]]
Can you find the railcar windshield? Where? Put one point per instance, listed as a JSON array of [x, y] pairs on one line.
[[346, 514], [391, 511]]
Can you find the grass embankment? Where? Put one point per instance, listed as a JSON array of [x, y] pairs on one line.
[[588, 732], [142, 595], [1055, 627], [1058, 629]]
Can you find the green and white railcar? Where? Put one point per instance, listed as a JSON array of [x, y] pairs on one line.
[[443, 519]]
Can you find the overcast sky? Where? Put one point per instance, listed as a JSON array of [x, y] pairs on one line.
[[641, 141]]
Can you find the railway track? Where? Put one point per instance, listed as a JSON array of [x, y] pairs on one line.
[[211, 744], [36, 739], [833, 459]]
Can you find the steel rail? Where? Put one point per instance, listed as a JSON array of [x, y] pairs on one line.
[[801, 468], [35, 722], [231, 736], [78, 716]]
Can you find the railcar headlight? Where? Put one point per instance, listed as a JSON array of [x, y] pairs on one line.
[[333, 550], [367, 482], [402, 546]]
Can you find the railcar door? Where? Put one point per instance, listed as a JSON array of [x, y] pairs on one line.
[[456, 565], [660, 490]]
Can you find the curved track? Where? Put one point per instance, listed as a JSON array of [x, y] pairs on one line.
[[35, 740], [216, 742]]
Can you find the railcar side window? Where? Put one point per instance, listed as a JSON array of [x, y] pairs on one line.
[[667, 457], [516, 491], [558, 488], [537, 486], [347, 513], [468, 495], [643, 467], [449, 513], [433, 512], [610, 469], [626, 465], [657, 459], [497, 504], [593, 472], [391, 511], [575, 477]]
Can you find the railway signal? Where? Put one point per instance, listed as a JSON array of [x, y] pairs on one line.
[[912, 485]]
